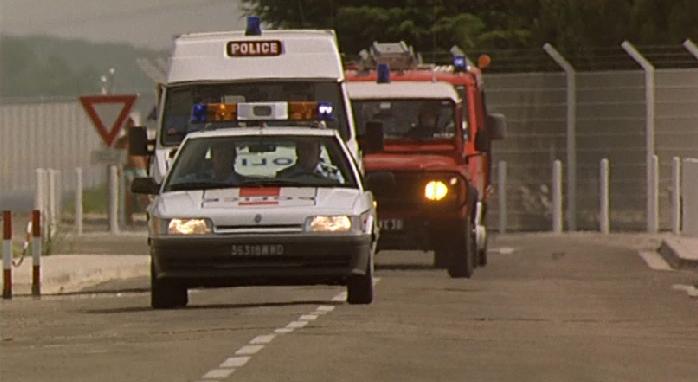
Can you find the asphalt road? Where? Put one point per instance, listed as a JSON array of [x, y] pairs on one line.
[[554, 309]]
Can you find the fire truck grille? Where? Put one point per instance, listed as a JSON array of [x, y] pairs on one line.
[[408, 191]]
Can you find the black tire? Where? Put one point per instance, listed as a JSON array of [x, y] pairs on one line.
[[360, 287], [165, 294], [442, 257], [463, 252]]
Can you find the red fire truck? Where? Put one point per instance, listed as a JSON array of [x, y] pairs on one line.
[[426, 138]]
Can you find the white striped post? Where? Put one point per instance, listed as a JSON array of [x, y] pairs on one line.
[[676, 196], [78, 201], [36, 253], [557, 196], [52, 204], [6, 255], [604, 223], [113, 200], [502, 196]]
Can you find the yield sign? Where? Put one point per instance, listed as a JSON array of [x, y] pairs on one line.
[[108, 134]]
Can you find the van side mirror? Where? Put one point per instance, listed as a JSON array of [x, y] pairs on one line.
[[373, 138], [145, 186], [138, 141], [496, 126]]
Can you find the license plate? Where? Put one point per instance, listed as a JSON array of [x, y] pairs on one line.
[[392, 224], [257, 250]]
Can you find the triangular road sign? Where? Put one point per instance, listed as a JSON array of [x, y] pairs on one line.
[[108, 134]]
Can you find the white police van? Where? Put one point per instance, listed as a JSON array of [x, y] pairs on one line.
[[244, 67], [249, 202]]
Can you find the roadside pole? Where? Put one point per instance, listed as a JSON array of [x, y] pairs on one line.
[[7, 255], [676, 196], [604, 220], [78, 201], [113, 199], [36, 253], [502, 196], [557, 196]]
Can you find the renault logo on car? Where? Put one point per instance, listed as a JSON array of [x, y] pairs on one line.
[[258, 218]]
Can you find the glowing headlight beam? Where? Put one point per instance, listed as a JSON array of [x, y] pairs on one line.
[[188, 227], [435, 190], [330, 224]]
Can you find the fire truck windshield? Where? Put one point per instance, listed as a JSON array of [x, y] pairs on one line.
[[408, 118], [181, 98]]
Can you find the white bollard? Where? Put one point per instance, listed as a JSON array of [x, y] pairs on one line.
[[604, 223], [653, 210], [78, 201], [689, 198], [122, 197], [557, 196], [502, 196], [52, 203], [36, 253], [676, 196], [113, 199]]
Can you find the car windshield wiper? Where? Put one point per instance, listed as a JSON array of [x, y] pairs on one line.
[[190, 186], [267, 182]]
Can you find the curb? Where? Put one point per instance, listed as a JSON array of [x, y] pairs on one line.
[[671, 252]]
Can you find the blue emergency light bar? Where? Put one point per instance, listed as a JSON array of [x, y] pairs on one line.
[[460, 63], [254, 26], [383, 73]]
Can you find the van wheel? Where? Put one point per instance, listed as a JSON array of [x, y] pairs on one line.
[[165, 294], [360, 287], [463, 252]]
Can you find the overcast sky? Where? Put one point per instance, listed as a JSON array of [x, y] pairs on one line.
[[145, 23]]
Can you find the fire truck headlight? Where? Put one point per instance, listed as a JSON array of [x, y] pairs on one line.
[[435, 190]]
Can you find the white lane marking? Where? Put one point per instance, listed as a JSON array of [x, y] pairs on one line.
[[506, 251], [297, 324], [689, 289], [325, 308], [233, 362], [262, 340], [283, 330], [655, 261], [249, 349], [218, 373], [308, 317], [340, 297]]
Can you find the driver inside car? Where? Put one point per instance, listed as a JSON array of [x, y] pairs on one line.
[[309, 163]]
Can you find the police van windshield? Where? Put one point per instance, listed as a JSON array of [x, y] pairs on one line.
[[181, 98], [408, 119], [287, 161]]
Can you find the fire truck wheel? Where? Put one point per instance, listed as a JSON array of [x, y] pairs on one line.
[[164, 294], [360, 287], [462, 253]]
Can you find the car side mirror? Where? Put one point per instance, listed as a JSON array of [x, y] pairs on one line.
[[496, 126], [138, 141], [380, 181], [145, 186], [372, 141]]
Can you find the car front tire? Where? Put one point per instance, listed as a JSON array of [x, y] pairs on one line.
[[165, 294], [462, 253], [360, 287]]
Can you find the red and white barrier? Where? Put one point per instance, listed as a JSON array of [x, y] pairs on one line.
[[36, 253], [6, 255]]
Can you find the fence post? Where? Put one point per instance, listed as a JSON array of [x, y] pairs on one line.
[[676, 196], [557, 196], [78, 201], [653, 218], [604, 224], [6, 255], [36, 253], [652, 200], [113, 199], [571, 77], [502, 171]]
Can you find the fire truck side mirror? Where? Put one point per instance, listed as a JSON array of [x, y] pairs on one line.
[[372, 141], [138, 141], [496, 126]]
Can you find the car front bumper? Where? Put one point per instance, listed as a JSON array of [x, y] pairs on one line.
[[230, 260]]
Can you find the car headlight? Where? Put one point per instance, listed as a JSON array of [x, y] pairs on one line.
[[329, 224], [188, 227], [435, 190]]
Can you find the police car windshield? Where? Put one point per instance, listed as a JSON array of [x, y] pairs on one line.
[[181, 98], [290, 161], [408, 119]]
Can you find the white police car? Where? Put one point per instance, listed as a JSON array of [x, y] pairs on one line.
[[260, 205]]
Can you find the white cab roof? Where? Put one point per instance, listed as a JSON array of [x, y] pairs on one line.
[[308, 54], [365, 90]]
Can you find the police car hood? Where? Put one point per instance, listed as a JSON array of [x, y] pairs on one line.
[[274, 205]]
